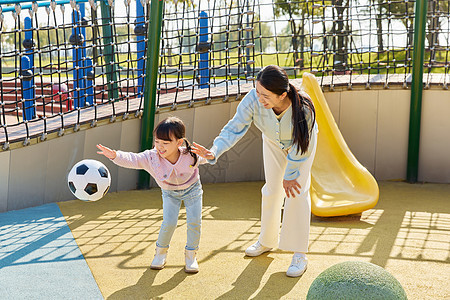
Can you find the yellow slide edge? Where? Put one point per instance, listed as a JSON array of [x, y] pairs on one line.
[[340, 185]]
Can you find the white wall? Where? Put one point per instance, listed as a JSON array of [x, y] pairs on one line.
[[434, 151], [37, 174], [375, 125]]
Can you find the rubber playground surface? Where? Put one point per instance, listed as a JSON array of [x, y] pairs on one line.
[[103, 249]]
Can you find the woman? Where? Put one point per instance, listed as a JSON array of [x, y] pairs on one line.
[[286, 118]]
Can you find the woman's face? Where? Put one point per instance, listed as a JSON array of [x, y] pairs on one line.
[[269, 99]]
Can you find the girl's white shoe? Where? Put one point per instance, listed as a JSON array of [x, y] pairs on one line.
[[160, 258], [191, 261]]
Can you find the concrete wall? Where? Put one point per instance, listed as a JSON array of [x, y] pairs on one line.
[[241, 163], [373, 122], [375, 125], [37, 174]]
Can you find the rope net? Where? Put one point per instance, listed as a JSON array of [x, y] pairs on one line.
[[66, 63]]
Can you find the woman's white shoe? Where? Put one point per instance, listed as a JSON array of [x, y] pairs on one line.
[[298, 266], [256, 249], [191, 261], [159, 260]]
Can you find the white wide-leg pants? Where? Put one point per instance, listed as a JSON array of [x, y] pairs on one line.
[[294, 235]]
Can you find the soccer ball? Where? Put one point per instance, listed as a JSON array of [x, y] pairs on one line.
[[89, 180]]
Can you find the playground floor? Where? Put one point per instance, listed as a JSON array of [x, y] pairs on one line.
[[106, 249]]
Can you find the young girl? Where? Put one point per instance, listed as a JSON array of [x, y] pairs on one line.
[[175, 170]]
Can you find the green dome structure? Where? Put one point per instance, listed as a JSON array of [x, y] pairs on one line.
[[355, 280]]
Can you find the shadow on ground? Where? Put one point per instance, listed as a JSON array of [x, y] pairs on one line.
[[407, 232]]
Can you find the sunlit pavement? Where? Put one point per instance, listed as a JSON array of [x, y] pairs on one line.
[[407, 233]]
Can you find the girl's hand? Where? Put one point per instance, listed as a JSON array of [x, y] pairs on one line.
[[202, 151], [109, 153], [290, 187]]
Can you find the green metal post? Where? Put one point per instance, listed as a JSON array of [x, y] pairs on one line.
[[420, 22], [151, 76], [111, 68]]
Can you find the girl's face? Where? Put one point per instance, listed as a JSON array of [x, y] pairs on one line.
[[168, 149], [269, 99]]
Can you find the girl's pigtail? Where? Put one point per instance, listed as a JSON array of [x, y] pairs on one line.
[[189, 149]]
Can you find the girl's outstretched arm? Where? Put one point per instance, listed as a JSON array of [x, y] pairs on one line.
[[202, 151], [109, 153]]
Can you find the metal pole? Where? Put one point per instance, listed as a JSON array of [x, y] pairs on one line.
[[420, 21], [89, 81], [140, 45], [247, 49], [29, 111], [151, 76], [203, 63], [82, 64], [77, 56]]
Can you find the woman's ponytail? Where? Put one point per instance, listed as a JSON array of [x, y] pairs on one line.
[[189, 149], [301, 133]]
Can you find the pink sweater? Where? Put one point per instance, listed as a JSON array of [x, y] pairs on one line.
[[168, 176]]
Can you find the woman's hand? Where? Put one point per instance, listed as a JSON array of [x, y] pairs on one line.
[[290, 187], [109, 153], [202, 151]]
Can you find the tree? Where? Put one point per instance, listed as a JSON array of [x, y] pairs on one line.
[[299, 9], [380, 26], [299, 12], [187, 42], [341, 30], [262, 30], [434, 24], [259, 36], [405, 12], [285, 39]]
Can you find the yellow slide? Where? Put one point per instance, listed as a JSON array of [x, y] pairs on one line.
[[340, 184]]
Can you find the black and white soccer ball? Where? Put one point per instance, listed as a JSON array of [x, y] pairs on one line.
[[89, 180]]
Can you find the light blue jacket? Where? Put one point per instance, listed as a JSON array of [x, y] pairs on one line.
[[251, 110]]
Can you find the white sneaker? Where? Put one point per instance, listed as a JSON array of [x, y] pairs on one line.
[[298, 266], [191, 261], [256, 249], [160, 258]]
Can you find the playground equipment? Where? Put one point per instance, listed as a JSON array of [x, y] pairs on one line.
[[60, 57], [207, 50], [99, 50], [61, 93], [340, 185], [356, 280]]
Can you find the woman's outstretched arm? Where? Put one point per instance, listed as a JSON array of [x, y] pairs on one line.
[[236, 128]]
